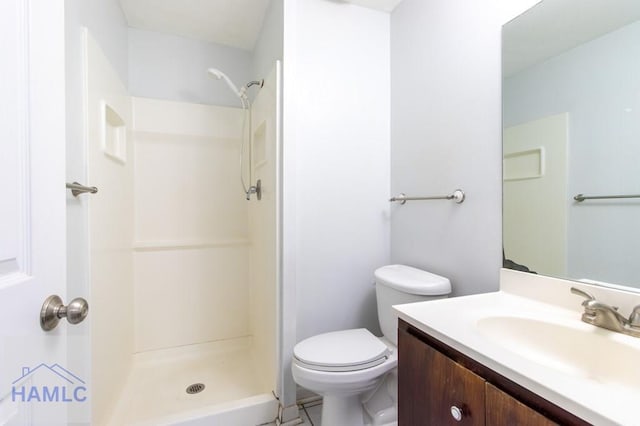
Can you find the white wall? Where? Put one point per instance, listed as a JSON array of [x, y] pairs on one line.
[[108, 26], [508, 9], [603, 107], [336, 169], [164, 66], [268, 47], [191, 234], [446, 134], [106, 23], [263, 229], [110, 215]]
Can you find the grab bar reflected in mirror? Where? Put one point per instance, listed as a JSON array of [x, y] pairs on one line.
[[581, 197]]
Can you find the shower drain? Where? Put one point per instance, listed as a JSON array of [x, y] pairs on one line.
[[195, 388]]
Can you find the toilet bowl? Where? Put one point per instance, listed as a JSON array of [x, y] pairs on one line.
[[346, 365], [353, 370]]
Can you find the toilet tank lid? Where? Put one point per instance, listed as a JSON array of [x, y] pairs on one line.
[[412, 280]]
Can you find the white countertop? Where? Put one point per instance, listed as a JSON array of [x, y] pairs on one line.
[[454, 321]]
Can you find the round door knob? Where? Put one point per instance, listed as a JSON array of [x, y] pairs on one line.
[[456, 413], [53, 310], [76, 311]]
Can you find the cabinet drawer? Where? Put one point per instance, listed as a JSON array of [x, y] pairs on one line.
[[502, 409], [431, 384]]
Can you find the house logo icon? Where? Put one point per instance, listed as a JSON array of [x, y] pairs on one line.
[[48, 383]]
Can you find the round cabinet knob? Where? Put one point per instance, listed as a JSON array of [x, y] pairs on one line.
[[456, 413]]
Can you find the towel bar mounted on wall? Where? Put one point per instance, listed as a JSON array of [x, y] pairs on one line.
[[581, 197], [457, 196]]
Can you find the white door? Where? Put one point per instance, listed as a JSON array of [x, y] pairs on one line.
[[36, 384]]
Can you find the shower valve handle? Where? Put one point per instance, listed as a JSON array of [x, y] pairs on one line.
[[256, 189]]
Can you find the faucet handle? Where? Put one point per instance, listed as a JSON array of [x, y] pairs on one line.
[[589, 297], [634, 318]]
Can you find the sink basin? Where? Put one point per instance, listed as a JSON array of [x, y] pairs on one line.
[[530, 332], [579, 350]]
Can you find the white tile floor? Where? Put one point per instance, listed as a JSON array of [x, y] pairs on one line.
[[311, 413]]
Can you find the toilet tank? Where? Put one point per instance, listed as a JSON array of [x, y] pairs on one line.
[[398, 284]]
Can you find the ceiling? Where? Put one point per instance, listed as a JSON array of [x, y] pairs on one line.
[[553, 27], [384, 5], [234, 23]]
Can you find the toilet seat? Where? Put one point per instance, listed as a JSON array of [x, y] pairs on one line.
[[341, 351]]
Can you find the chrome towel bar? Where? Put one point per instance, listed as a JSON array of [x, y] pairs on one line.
[[457, 196], [581, 197], [77, 189]]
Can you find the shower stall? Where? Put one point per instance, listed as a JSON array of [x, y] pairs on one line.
[[183, 265]]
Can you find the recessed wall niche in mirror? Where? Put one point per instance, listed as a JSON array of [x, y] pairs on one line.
[[571, 116]]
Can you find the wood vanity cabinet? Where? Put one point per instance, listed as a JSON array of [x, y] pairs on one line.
[[435, 380], [503, 409]]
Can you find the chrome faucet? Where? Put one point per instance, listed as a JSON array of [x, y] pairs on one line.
[[606, 316]]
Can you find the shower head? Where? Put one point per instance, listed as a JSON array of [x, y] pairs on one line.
[[222, 76]]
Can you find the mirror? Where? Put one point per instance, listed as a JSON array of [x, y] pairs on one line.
[[571, 118]]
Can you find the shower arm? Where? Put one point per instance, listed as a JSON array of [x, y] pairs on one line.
[[242, 93], [255, 82]]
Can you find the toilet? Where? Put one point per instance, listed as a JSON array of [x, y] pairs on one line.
[[355, 371]]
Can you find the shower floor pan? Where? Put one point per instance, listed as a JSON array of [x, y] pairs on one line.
[[233, 394]]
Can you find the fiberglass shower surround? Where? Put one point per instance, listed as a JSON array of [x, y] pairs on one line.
[[246, 105]]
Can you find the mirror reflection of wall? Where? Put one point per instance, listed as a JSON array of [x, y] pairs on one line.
[[571, 102]]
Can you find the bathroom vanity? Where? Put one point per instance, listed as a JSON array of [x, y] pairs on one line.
[[443, 386], [519, 356]]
